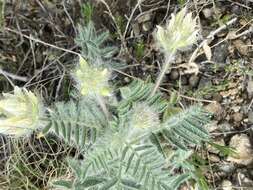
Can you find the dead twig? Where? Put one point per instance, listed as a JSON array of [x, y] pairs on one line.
[[69, 17], [13, 76], [42, 42], [131, 17]]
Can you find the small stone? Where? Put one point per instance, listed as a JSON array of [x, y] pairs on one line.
[[227, 185], [194, 80], [215, 108], [237, 117], [227, 167], [174, 74], [241, 144]]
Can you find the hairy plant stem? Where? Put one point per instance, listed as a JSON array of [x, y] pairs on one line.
[[101, 103], [163, 71]]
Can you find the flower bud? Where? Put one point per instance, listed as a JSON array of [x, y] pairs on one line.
[[144, 117]]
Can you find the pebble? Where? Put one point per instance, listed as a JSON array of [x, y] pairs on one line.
[[241, 144], [174, 74], [227, 167], [237, 117], [216, 109], [194, 80]]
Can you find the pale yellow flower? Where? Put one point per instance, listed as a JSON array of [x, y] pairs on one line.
[[91, 80], [180, 33], [19, 112]]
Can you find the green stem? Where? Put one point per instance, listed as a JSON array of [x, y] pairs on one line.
[[163, 72]]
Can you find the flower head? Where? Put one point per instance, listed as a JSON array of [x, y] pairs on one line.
[[19, 112], [91, 80], [144, 117], [178, 34]]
